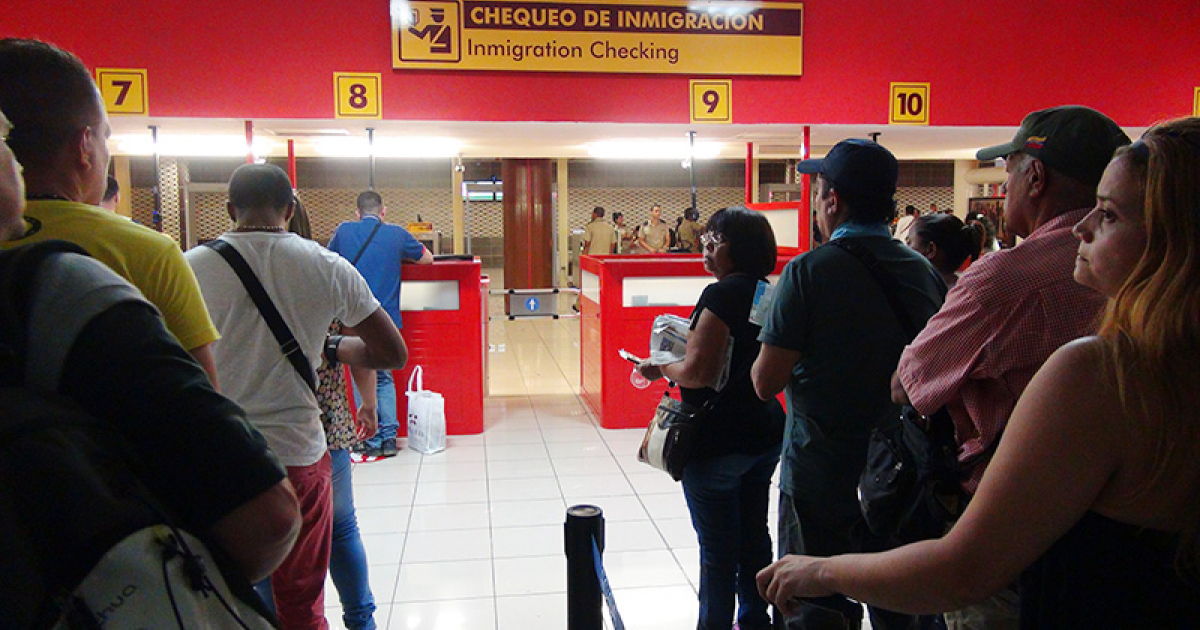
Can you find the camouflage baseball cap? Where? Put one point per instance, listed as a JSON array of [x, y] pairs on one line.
[[1074, 140]]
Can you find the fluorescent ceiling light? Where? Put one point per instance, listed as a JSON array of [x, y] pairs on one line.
[[392, 147], [653, 150], [728, 8], [402, 14], [193, 146]]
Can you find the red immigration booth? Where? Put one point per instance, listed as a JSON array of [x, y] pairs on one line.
[[445, 327], [621, 296]]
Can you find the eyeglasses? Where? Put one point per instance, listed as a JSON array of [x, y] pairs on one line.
[[711, 240]]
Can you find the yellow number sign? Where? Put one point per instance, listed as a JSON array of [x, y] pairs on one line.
[[909, 104], [123, 90], [356, 94], [712, 101]]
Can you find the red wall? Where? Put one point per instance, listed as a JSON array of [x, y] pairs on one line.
[[989, 65]]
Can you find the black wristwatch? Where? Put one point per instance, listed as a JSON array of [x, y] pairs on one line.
[[331, 347]]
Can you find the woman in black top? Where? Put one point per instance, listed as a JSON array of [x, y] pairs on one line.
[[726, 485]]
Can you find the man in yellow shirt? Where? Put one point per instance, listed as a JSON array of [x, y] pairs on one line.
[[60, 135]]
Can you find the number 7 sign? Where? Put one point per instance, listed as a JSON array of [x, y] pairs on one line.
[[909, 104], [123, 90]]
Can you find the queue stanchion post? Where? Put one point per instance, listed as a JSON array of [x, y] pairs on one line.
[[584, 524]]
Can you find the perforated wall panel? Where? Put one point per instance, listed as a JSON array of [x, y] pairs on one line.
[[922, 197], [635, 203]]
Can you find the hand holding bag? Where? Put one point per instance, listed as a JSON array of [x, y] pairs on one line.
[[671, 438], [426, 416]]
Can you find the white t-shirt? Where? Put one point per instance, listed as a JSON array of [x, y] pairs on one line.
[[903, 226], [310, 286]]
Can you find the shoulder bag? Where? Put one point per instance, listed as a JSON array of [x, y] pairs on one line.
[[671, 437]]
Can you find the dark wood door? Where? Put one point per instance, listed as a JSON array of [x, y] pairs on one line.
[[528, 223]]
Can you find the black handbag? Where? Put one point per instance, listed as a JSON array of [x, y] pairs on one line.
[[910, 488]]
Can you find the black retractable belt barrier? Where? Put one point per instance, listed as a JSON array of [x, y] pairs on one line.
[[586, 581]]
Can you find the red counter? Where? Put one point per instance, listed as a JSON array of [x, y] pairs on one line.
[[445, 324], [609, 321]]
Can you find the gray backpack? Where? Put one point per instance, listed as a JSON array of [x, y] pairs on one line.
[[85, 543]]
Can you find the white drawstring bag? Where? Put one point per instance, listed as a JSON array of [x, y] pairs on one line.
[[426, 416]]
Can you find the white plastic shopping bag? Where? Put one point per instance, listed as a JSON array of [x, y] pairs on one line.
[[426, 416]]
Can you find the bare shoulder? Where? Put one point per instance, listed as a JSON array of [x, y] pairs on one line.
[[1077, 382]]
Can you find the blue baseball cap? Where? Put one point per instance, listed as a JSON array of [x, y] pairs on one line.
[[857, 167]]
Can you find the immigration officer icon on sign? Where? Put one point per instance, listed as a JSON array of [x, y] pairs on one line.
[[433, 32]]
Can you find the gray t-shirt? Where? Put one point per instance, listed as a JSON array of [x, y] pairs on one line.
[[830, 309]]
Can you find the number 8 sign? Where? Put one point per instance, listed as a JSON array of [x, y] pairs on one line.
[[909, 104], [356, 94]]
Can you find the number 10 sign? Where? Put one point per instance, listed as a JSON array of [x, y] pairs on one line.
[[909, 104]]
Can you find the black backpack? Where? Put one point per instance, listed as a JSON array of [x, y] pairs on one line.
[[85, 544]]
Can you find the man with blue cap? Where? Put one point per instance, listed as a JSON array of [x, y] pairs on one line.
[[832, 339]]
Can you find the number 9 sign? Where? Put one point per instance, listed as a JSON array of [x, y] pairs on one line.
[[356, 94], [711, 101], [909, 104]]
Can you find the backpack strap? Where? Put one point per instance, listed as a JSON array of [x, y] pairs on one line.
[[279, 328], [886, 281], [370, 236], [48, 300]]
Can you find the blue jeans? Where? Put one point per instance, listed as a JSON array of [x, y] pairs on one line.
[[727, 497], [348, 558], [385, 392]]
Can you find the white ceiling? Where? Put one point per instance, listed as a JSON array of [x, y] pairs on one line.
[[569, 140]]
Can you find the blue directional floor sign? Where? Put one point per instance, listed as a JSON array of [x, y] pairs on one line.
[[532, 304]]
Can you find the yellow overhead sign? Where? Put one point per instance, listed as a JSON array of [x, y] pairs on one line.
[[624, 36], [711, 101], [909, 104], [356, 95], [123, 90]]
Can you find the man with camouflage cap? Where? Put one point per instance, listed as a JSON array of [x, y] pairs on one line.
[[1010, 310]]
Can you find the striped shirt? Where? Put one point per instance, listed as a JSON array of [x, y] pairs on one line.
[[1009, 311]]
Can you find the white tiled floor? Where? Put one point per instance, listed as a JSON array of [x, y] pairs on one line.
[[472, 538]]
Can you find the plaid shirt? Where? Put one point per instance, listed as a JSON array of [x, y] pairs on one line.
[[1009, 311]]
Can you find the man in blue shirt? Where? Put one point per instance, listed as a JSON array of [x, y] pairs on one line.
[[377, 250]]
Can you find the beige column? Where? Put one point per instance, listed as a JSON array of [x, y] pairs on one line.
[[121, 172], [962, 188], [564, 221], [456, 207]]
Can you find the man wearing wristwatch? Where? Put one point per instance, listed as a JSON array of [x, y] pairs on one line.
[[309, 287]]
